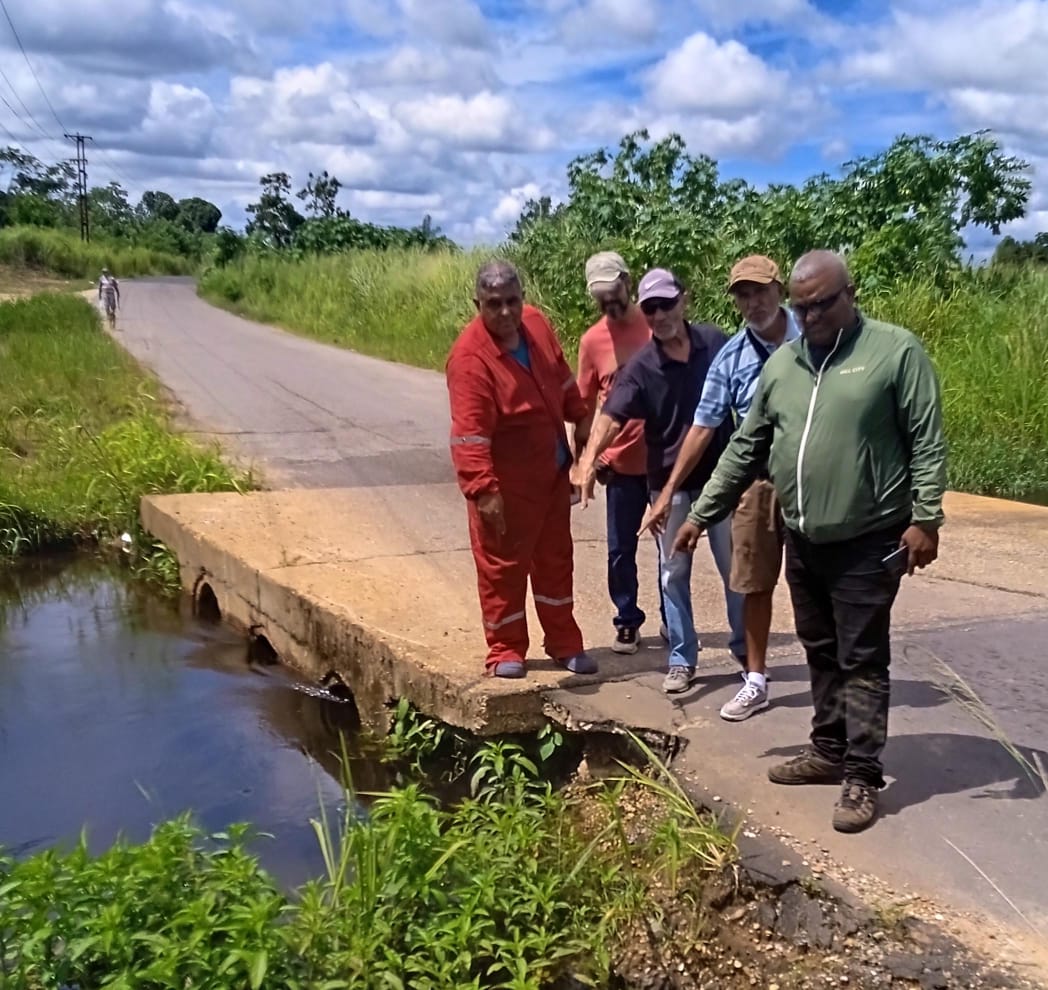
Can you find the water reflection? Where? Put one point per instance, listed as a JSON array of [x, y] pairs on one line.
[[119, 709]]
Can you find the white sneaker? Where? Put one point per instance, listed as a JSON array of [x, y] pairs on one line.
[[678, 679], [750, 700]]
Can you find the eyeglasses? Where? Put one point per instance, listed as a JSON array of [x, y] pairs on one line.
[[652, 306], [817, 308]]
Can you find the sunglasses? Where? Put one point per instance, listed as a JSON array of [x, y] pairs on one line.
[[652, 306], [817, 308]]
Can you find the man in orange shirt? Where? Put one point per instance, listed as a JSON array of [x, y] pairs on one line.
[[604, 348], [511, 391]]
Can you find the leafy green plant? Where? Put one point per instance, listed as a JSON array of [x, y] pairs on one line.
[[550, 740], [154, 563], [414, 737]]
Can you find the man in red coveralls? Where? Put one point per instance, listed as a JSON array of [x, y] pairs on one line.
[[511, 392]]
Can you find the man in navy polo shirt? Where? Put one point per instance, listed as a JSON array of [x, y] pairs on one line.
[[661, 385], [757, 531]]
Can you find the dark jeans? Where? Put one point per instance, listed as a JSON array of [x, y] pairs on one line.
[[627, 500], [842, 600]]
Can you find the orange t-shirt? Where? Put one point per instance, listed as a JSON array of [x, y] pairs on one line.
[[602, 351]]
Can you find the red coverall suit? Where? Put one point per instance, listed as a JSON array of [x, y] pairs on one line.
[[506, 423]]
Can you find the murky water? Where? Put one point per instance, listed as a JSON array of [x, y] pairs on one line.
[[119, 709]]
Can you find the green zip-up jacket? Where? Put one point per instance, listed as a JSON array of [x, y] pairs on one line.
[[853, 447]]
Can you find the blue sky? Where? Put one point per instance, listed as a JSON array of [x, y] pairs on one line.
[[464, 109]]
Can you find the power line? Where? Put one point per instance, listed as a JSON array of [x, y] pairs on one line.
[[113, 168], [47, 99], [28, 112], [7, 131], [107, 162], [21, 142]]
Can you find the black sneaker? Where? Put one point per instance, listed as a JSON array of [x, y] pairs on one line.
[[808, 768], [626, 640], [856, 808]]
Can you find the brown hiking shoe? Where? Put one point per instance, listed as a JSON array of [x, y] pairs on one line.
[[856, 808], [808, 768]]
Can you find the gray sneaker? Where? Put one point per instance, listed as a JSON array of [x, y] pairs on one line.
[[750, 700], [678, 679]]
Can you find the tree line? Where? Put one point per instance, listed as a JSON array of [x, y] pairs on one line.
[[903, 212], [40, 194]]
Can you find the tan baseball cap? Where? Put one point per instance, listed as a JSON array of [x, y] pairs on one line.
[[604, 269], [755, 268]]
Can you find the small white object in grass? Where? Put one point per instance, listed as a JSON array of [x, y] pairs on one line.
[[125, 542]]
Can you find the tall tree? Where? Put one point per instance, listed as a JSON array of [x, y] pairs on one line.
[[198, 215], [320, 194], [1014, 252], [26, 174], [274, 217], [157, 205], [110, 210]]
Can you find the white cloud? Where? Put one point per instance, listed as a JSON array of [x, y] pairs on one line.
[[453, 22], [304, 103], [997, 45], [128, 36], [835, 150], [718, 78], [411, 67], [180, 121], [510, 205], [983, 62], [1018, 116], [634, 20], [724, 99], [486, 122]]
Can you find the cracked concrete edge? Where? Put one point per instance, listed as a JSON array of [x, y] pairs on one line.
[[766, 862]]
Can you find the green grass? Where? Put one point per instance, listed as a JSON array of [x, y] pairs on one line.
[[63, 253], [83, 434], [988, 336], [510, 888]]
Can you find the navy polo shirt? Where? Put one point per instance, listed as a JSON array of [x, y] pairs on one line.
[[664, 393]]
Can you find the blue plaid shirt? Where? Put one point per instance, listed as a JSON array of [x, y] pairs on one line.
[[732, 378]]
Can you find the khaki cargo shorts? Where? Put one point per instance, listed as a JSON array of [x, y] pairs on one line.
[[756, 541]]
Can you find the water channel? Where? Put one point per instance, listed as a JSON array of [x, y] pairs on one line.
[[119, 709]]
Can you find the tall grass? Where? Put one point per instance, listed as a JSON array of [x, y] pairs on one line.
[[988, 337], [83, 434], [987, 334], [406, 306], [64, 253]]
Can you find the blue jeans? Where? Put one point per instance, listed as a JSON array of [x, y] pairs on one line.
[[676, 585], [627, 499]]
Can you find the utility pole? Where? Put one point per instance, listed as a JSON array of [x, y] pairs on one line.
[[81, 183]]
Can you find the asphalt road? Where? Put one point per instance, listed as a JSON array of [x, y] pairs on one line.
[[962, 815]]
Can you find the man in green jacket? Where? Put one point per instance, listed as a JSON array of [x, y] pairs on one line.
[[850, 420]]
